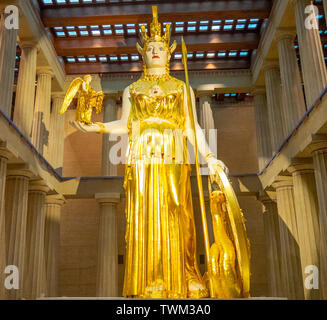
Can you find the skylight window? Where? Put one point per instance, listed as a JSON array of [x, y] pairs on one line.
[[124, 58], [211, 55], [81, 59], [95, 32], [178, 56], [113, 58], [199, 55], [72, 33], [215, 28], [60, 34], [232, 54], [228, 27], [84, 33], [135, 57], [203, 28], [92, 59], [106, 32], [221, 54], [190, 29], [252, 26], [103, 59], [179, 29], [119, 31], [240, 26], [71, 59]]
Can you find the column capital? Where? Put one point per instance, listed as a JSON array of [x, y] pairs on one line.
[[4, 153], [38, 185], [111, 198], [28, 43], [114, 96], [19, 170], [58, 95], [270, 64], [55, 199], [267, 197], [301, 165], [258, 90], [286, 34], [319, 143], [45, 70], [200, 94], [283, 182]]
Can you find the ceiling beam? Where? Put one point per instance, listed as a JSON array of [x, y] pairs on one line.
[[205, 64], [121, 45], [141, 13]]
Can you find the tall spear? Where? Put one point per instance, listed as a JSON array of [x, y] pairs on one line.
[[197, 164]]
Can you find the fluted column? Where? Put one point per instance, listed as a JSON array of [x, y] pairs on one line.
[[274, 104], [262, 127], [271, 227], [107, 275], [16, 218], [34, 275], [294, 105], [110, 114], [57, 133], [8, 39], [206, 115], [54, 204], [25, 92], [3, 171], [41, 120], [311, 52], [307, 211], [290, 255], [319, 153]]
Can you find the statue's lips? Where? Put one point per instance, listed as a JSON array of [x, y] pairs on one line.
[[155, 57]]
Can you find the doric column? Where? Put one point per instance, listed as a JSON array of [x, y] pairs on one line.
[[262, 127], [54, 204], [290, 255], [206, 117], [25, 92], [311, 52], [4, 154], [109, 114], [307, 211], [271, 227], [16, 218], [107, 275], [41, 120], [319, 153], [274, 104], [57, 133], [34, 275], [8, 39], [294, 105]]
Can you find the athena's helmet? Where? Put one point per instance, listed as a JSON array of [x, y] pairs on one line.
[[155, 35]]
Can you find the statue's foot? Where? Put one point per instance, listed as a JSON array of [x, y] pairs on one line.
[[197, 289]]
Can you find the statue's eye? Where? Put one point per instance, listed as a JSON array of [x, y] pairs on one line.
[[161, 48]]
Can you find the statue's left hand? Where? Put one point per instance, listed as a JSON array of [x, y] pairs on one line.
[[213, 163]]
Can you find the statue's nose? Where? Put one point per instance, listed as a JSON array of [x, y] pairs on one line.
[[155, 50]]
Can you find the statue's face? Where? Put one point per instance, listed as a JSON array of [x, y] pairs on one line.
[[88, 80], [156, 55]]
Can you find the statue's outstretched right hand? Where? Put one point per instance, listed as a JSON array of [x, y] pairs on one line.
[[81, 126]]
